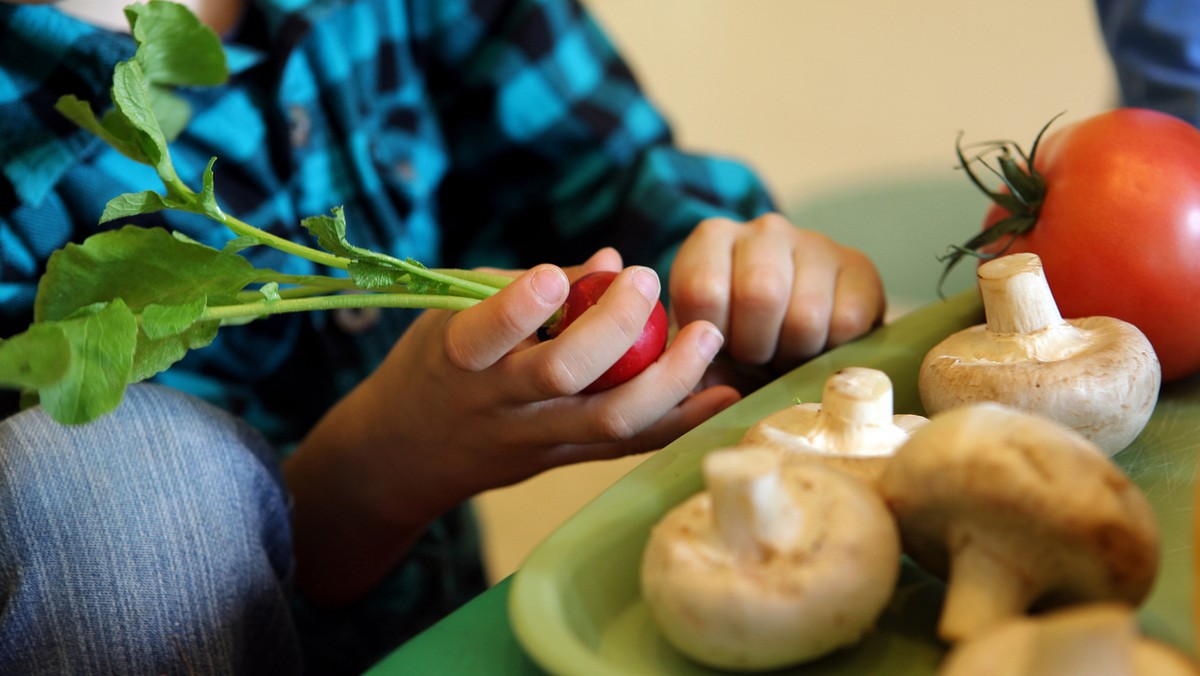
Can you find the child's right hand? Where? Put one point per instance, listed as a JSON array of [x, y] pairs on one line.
[[468, 401]]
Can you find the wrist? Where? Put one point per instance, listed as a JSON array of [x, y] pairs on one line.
[[352, 521]]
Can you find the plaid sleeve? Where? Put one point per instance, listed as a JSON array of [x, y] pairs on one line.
[[554, 145]]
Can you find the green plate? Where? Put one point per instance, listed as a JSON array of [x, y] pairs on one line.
[[575, 606]]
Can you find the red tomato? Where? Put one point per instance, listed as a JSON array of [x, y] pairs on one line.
[[1118, 230]]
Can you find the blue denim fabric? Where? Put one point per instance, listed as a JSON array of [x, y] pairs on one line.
[[1155, 49], [153, 541]]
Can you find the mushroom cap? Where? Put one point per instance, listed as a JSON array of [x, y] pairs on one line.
[[1094, 639], [821, 592], [1105, 386], [1033, 494], [853, 429], [789, 432]]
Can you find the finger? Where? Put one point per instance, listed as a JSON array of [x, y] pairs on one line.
[[506, 272], [805, 328], [761, 289], [476, 338], [590, 345], [645, 412], [605, 259], [858, 303], [700, 276], [624, 412], [692, 411]]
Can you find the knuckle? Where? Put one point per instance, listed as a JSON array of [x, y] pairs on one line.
[[854, 259], [762, 288], [510, 321], [849, 321], [611, 424], [702, 296], [630, 320], [770, 222], [713, 226], [675, 384], [459, 355], [469, 349], [555, 378], [459, 346], [806, 321], [753, 354]]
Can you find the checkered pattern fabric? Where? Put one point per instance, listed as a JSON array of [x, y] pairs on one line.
[[455, 132]]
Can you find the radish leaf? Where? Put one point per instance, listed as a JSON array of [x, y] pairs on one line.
[[102, 343]]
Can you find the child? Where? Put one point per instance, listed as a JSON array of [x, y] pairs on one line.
[[169, 536]]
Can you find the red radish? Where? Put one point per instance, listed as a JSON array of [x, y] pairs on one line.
[[584, 293]]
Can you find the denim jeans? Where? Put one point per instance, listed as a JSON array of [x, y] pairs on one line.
[[152, 541]]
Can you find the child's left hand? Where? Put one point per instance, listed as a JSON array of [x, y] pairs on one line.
[[780, 294]]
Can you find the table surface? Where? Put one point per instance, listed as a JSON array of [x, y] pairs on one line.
[[475, 639]]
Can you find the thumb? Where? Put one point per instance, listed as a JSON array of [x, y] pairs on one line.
[[477, 337]]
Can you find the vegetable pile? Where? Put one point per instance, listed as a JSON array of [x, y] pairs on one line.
[[1007, 492], [1110, 204], [1018, 513], [130, 302]]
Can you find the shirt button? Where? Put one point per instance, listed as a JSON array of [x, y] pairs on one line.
[[356, 321], [404, 171], [300, 125]]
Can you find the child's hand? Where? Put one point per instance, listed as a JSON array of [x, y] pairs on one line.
[[467, 401], [491, 406], [778, 293]]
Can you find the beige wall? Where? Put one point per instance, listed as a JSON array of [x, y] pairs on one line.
[[851, 109], [818, 94]]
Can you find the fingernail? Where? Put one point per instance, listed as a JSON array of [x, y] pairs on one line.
[[550, 284], [646, 281], [710, 343]]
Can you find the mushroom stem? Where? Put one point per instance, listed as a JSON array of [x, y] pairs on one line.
[[856, 397], [1092, 638], [753, 510], [981, 591], [1099, 642], [856, 409], [1016, 295]]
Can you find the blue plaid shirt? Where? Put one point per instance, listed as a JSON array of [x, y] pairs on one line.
[[458, 133], [455, 132]]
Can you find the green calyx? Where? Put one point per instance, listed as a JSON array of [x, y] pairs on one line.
[[1021, 196]]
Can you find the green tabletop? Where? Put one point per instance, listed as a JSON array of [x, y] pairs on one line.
[[476, 639]]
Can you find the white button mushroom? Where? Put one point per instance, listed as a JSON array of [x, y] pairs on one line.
[[1096, 639], [1015, 509], [853, 427], [770, 566], [1098, 375]]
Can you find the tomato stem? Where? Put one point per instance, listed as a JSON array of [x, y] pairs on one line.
[[1021, 193]]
